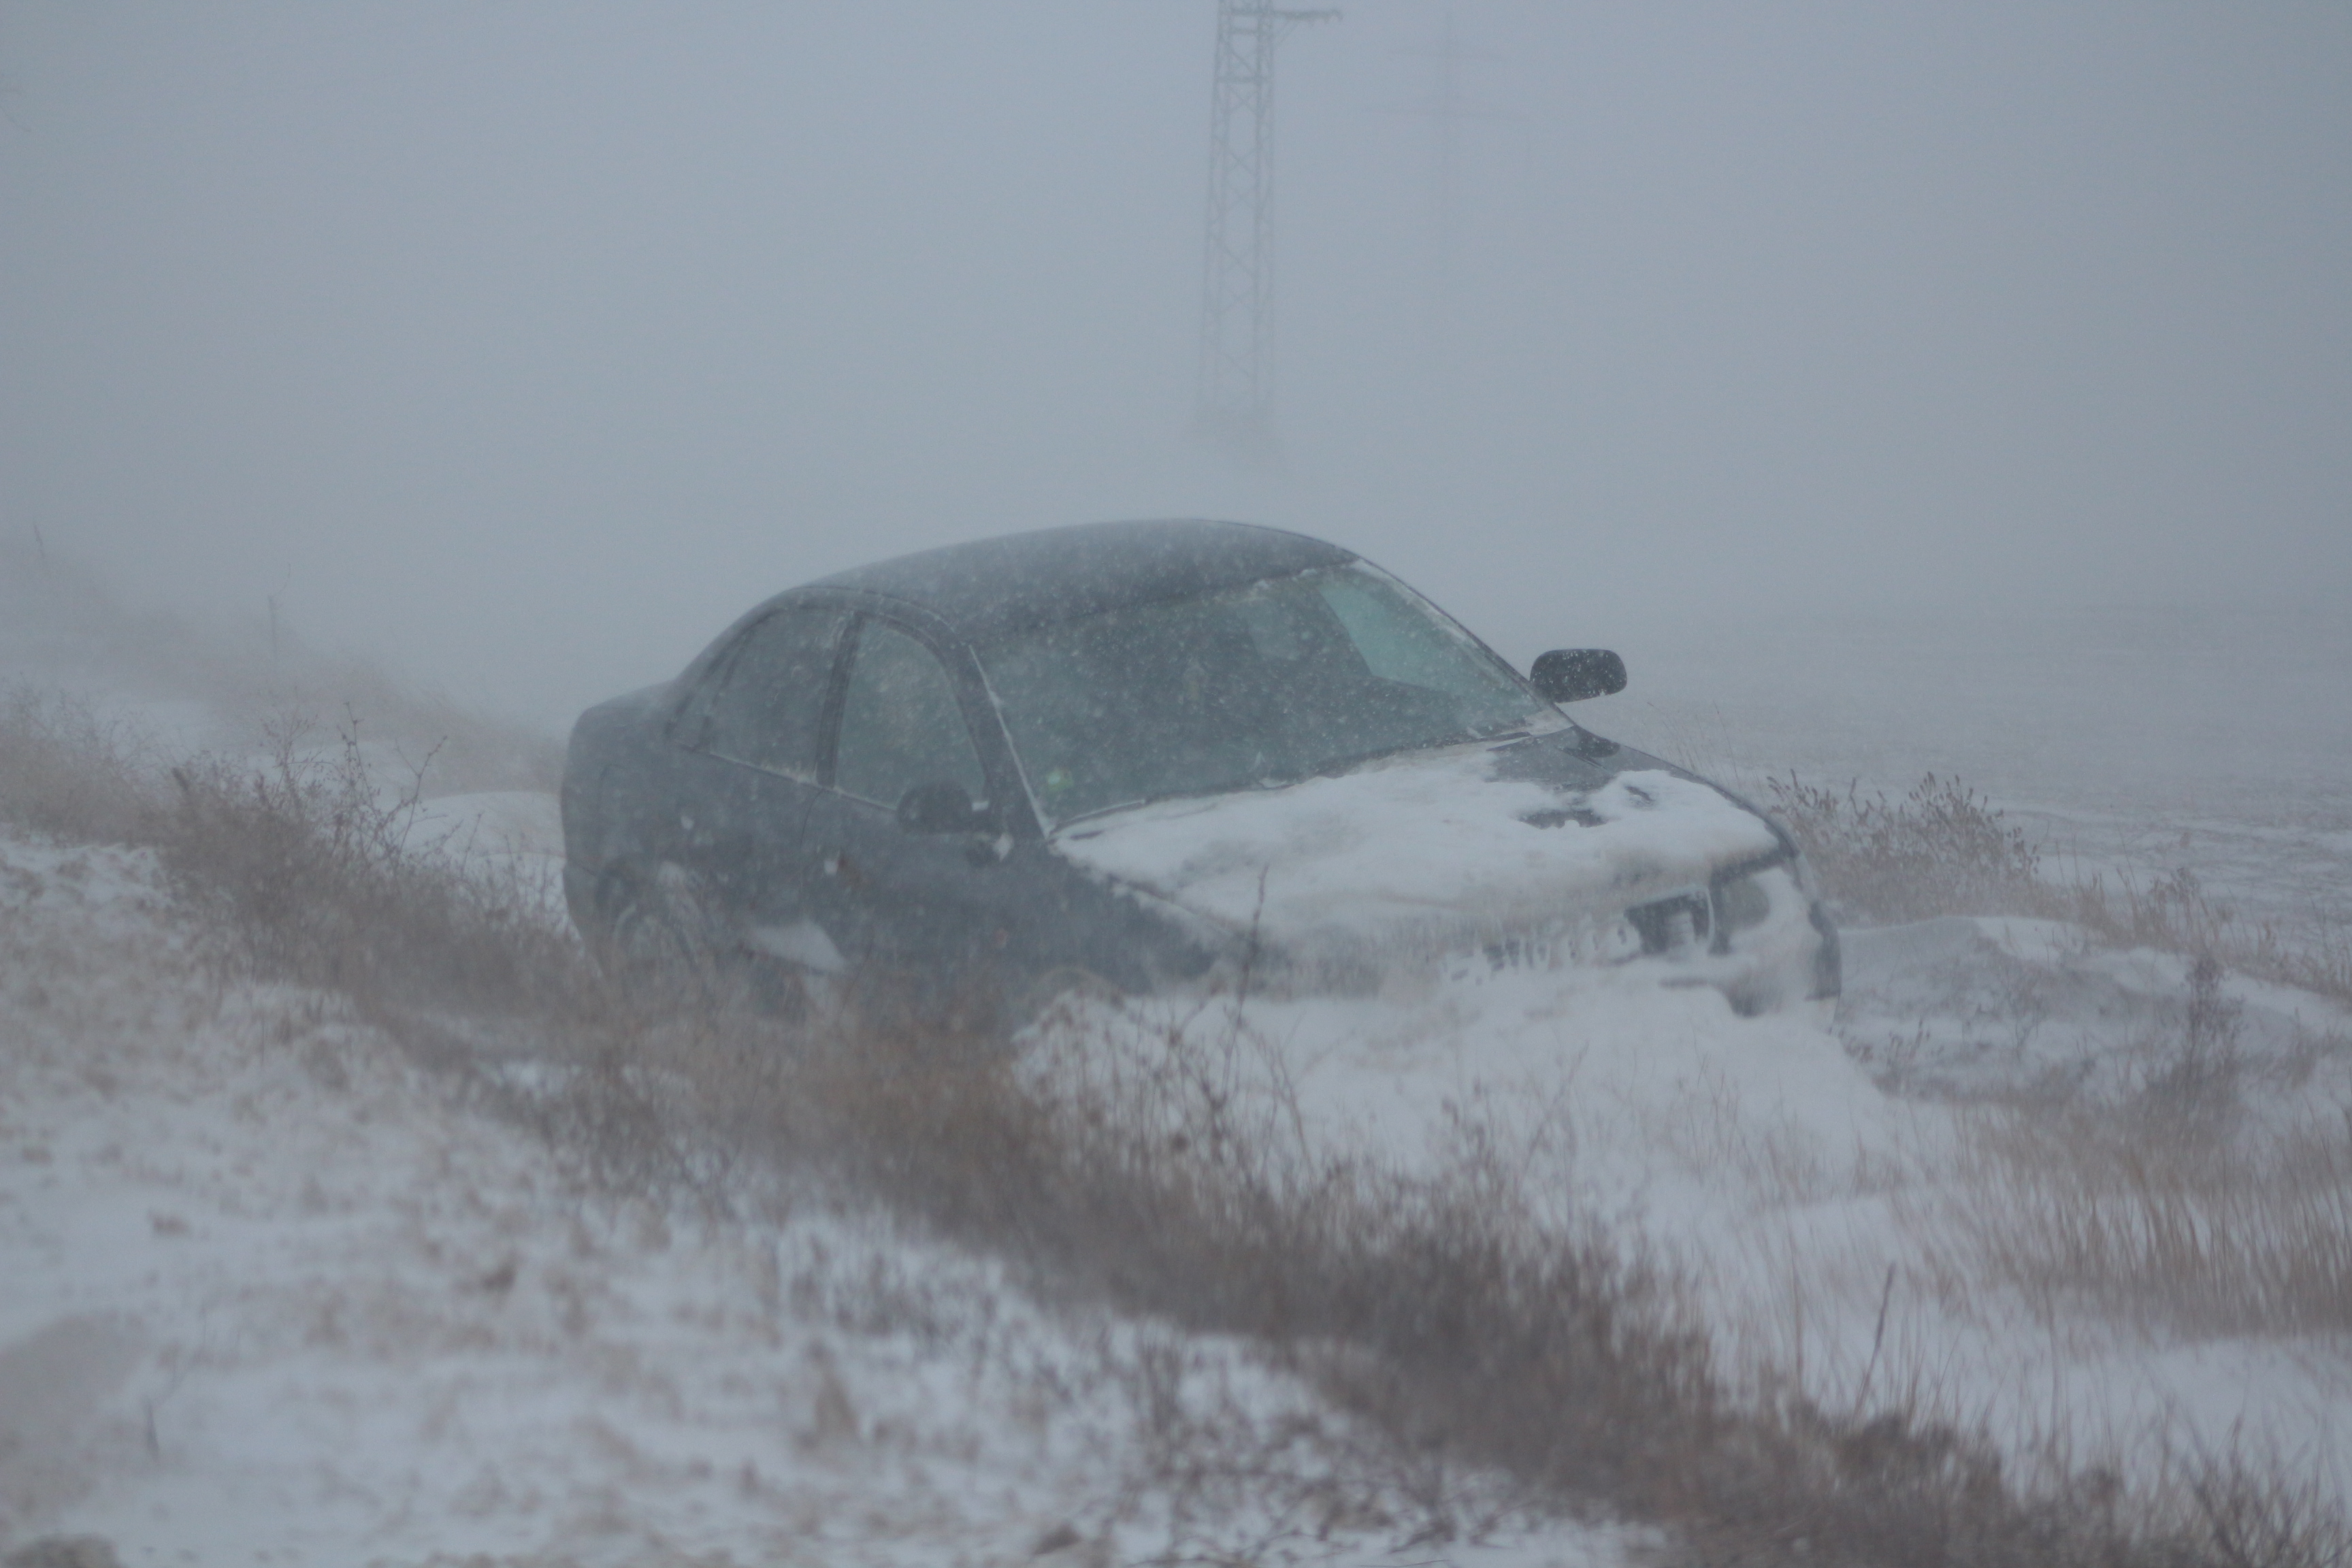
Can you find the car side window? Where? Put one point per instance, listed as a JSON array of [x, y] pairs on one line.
[[770, 705], [900, 724]]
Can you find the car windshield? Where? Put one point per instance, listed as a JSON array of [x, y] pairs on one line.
[[1255, 686]]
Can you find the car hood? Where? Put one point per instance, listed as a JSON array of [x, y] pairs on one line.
[[1428, 855]]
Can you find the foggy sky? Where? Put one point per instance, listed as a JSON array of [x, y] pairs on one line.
[[525, 345]]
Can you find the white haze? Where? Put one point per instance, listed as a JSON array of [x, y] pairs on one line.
[[522, 345]]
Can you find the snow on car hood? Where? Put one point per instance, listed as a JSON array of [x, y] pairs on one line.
[[1427, 855]]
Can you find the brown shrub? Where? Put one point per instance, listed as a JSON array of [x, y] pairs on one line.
[[2156, 1212], [1942, 849], [304, 859], [67, 772], [2175, 913]]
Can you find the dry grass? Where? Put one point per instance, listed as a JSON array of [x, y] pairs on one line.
[[304, 859], [2175, 913], [2127, 1212], [1440, 1308], [2170, 1209], [65, 771], [1943, 849], [2176, 1204]]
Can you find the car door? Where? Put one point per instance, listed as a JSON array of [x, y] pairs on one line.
[[929, 910], [755, 735]]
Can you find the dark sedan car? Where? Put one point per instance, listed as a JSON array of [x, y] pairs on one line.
[[1153, 754]]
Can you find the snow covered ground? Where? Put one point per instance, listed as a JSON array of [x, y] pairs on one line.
[[1822, 1188], [267, 1294]]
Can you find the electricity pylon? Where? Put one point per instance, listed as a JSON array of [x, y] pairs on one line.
[[1235, 403], [1448, 108]]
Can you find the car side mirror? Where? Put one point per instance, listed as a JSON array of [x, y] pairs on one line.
[[941, 808], [1573, 674]]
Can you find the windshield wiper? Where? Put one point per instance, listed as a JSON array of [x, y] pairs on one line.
[[1190, 792], [1335, 766]]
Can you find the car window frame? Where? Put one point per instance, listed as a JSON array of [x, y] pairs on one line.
[[1012, 801], [1008, 788], [694, 710]]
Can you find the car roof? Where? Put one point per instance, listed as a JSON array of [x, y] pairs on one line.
[[1061, 574]]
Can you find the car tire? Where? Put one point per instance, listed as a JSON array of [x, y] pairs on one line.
[[655, 930]]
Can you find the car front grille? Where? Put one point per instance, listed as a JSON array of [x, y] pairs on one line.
[[1689, 923], [1682, 924]]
